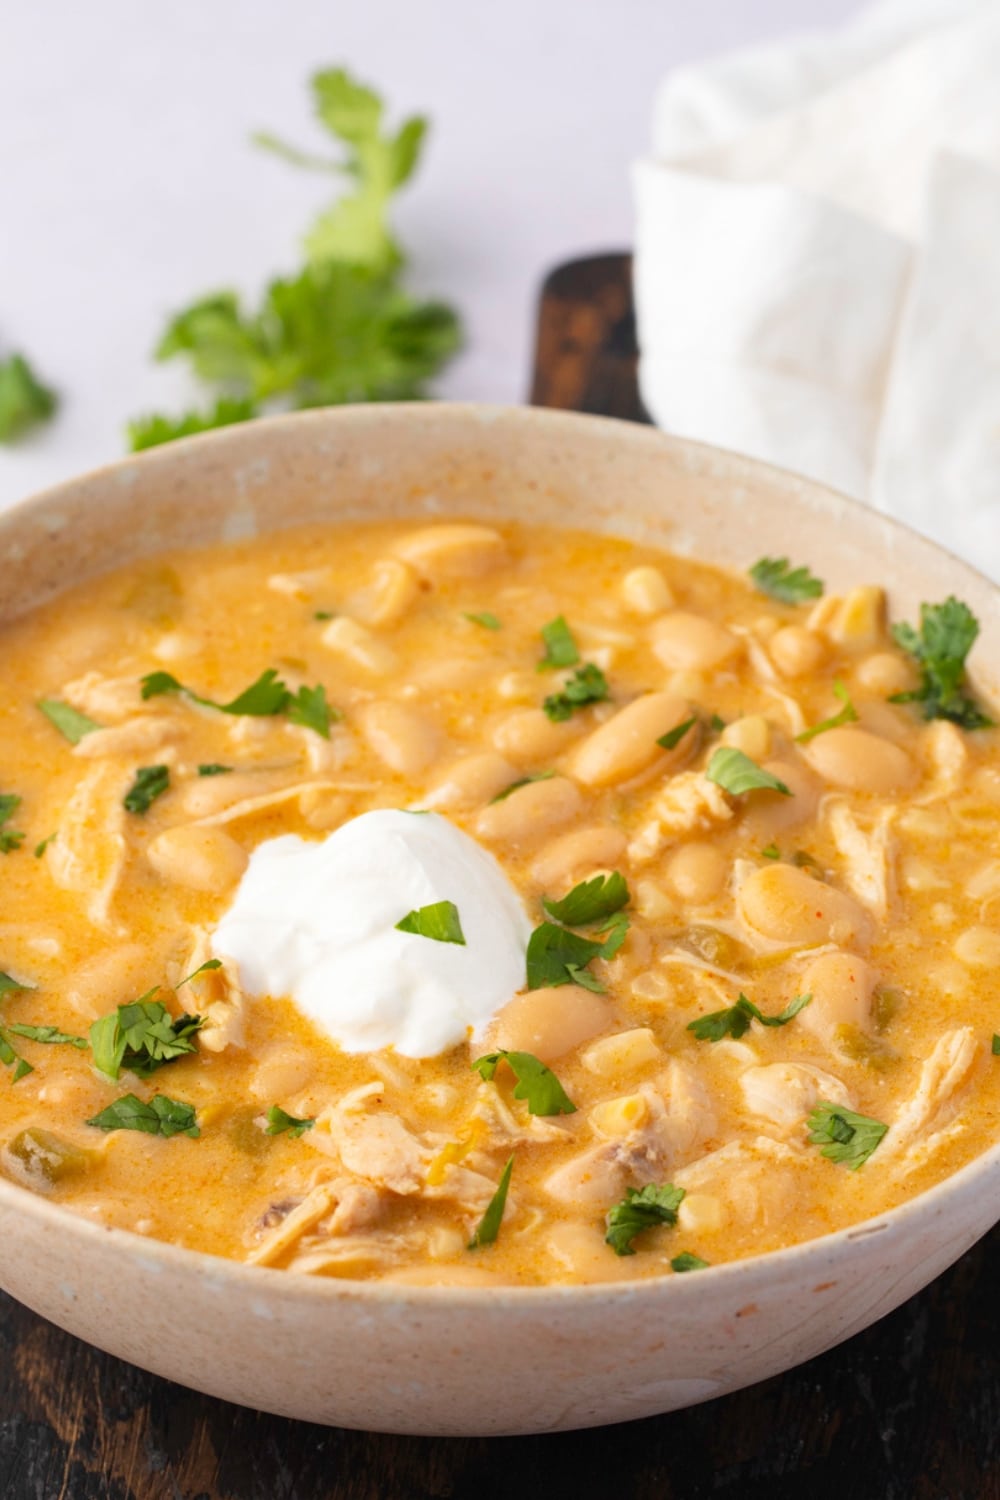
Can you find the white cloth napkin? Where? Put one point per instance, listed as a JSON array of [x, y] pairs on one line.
[[818, 262]]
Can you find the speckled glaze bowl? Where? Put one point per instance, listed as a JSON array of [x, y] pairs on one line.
[[470, 1360]]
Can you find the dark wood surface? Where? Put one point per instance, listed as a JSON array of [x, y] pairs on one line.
[[909, 1410]]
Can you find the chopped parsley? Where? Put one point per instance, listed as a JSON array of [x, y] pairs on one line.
[[439, 921], [588, 684], [264, 698], [141, 1037], [536, 1083], [213, 768], [673, 737], [688, 1262], [150, 782], [640, 1210], [10, 838], [776, 577], [278, 1122], [71, 724], [844, 1135], [516, 786], [735, 1020], [489, 1224], [736, 773], [557, 956], [940, 647], [848, 715], [484, 618], [161, 1116], [24, 401], [561, 649], [590, 901]]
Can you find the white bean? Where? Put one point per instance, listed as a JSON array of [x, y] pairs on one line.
[[550, 1022], [785, 904], [691, 643], [627, 743], [581, 852], [452, 551], [528, 814], [400, 735], [202, 859]]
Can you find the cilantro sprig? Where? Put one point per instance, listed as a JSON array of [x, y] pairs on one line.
[[516, 786], [265, 698], [588, 684], [536, 1083], [142, 1036], [489, 1224], [24, 401], [673, 737], [557, 956], [561, 649], [736, 1019], [160, 1116], [279, 1122], [9, 1056], [776, 577], [843, 1135], [150, 782], [736, 773], [10, 838], [940, 647], [439, 920], [71, 724], [639, 1210], [847, 715]]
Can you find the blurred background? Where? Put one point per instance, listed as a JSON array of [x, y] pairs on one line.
[[129, 185]]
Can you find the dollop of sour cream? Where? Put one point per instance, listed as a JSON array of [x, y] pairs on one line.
[[316, 922]]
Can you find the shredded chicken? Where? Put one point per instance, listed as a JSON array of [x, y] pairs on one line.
[[314, 1206], [688, 803], [946, 756], [135, 737], [742, 1175], [870, 857], [106, 699], [249, 806], [90, 854], [220, 999], [374, 1144], [690, 1118], [922, 1121], [784, 1093], [301, 585]]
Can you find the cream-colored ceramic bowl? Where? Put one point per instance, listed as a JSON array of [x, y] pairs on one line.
[[466, 1360]]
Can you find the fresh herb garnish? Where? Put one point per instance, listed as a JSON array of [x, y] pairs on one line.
[[736, 773], [150, 782], [556, 956], [771, 851], [49, 1034], [588, 684], [996, 1045], [776, 577], [161, 1116], [439, 920], [945, 638], [560, 648], [673, 737], [484, 618], [536, 1083], [341, 328], [516, 786], [489, 1224], [142, 1037], [9, 985], [848, 715], [735, 1020], [12, 1059], [41, 848], [213, 768], [10, 838], [263, 699], [24, 401], [71, 724], [688, 1262], [323, 614], [278, 1122], [844, 1135], [590, 901], [640, 1210]]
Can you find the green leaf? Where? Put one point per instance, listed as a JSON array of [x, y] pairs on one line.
[[588, 684], [489, 1224], [10, 838], [209, 964], [49, 1034], [673, 737], [641, 1210], [996, 1045], [40, 848], [516, 786], [213, 768], [142, 1037], [776, 577], [161, 1116], [590, 901], [770, 852], [264, 698], [24, 401], [848, 715], [688, 1262], [735, 1020], [70, 724], [560, 647], [150, 782], [9, 985], [536, 1083], [12, 1059], [556, 956], [946, 636], [439, 921], [736, 773], [278, 1122], [845, 1136], [485, 619], [309, 708], [154, 429]]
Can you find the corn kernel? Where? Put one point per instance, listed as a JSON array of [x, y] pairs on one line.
[[623, 1053], [700, 1213], [358, 646], [619, 1116], [979, 947], [751, 734], [646, 592]]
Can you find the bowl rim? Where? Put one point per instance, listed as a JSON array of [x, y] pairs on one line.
[[820, 1249]]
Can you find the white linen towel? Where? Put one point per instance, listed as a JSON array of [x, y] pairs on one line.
[[817, 262]]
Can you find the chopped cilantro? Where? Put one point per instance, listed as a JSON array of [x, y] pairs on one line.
[[556, 956], [142, 1037], [12, 1059], [736, 773], [516, 786], [776, 577], [150, 782], [41, 848], [278, 1122], [945, 638], [49, 1034], [536, 1083], [489, 1224], [640, 1210], [213, 768], [152, 430], [9, 985], [71, 724], [161, 1116], [310, 708], [848, 715], [323, 614], [673, 737], [263, 699], [844, 1135], [688, 1262], [771, 851], [10, 838], [590, 901], [560, 648], [996, 1045], [439, 920], [735, 1020], [588, 684], [24, 401], [484, 618]]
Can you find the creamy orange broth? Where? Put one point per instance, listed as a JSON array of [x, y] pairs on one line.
[[891, 921]]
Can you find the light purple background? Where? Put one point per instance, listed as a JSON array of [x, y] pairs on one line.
[[128, 185]]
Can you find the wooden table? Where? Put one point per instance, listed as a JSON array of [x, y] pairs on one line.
[[909, 1410]]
